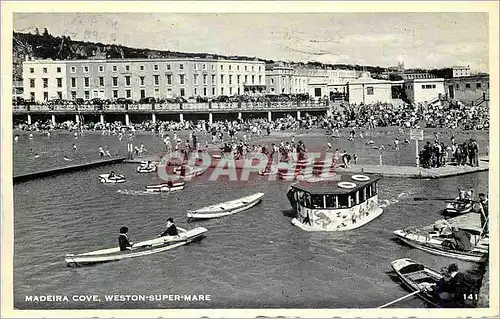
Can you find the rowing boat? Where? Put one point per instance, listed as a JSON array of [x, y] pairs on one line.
[[418, 277], [190, 172], [227, 208], [145, 169], [458, 207], [431, 241], [143, 248], [165, 187], [104, 178]]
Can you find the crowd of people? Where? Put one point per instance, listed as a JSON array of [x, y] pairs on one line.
[[437, 154]]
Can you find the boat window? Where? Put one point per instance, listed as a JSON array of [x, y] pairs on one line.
[[307, 200], [331, 201], [317, 201], [375, 189], [369, 191], [362, 195], [343, 201], [352, 199], [300, 197], [357, 197]]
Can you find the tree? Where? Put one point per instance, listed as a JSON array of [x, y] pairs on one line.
[[45, 32]]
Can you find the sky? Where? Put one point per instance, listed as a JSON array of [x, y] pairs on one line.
[[425, 40]]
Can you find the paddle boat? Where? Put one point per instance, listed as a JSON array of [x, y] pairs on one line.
[[166, 187], [227, 208], [472, 247], [338, 203], [458, 207], [421, 280], [144, 168], [117, 178], [143, 248], [190, 172]]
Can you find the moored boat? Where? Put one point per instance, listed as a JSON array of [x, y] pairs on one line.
[[166, 187], [226, 208], [117, 178], [143, 169], [418, 277], [143, 248], [189, 172], [466, 243], [339, 203]]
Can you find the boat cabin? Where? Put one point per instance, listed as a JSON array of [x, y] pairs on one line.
[[339, 203]]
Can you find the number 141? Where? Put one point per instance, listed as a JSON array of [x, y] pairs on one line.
[[471, 297]]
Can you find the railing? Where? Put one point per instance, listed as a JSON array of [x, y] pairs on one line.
[[174, 107]]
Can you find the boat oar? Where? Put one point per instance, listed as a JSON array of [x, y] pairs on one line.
[[399, 299], [432, 198]]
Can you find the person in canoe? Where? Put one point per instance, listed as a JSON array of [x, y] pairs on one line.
[[171, 229], [112, 175], [123, 241]]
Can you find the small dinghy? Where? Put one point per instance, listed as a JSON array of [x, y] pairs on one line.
[[227, 208], [190, 172], [458, 207], [418, 277], [145, 169], [144, 248], [104, 178], [166, 187]]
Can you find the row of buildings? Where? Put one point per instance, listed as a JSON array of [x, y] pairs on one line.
[[138, 79]]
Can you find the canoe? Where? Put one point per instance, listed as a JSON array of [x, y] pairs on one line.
[[143, 248], [227, 208], [458, 207], [431, 241], [164, 187], [418, 277], [190, 172], [104, 178]]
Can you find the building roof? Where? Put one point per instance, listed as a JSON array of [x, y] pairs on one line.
[[193, 59], [366, 79], [332, 186], [425, 80]]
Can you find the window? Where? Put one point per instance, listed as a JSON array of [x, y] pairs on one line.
[[45, 83], [221, 91], [59, 95], [157, 79], [195, 91], [246, 68], [369, 90], [272, 81], [213, 67], [457, 86], [87, 95], [252, 68], [181, 79], [222, 68], [260, 79], [141, 67], [238, 79], [156, 67], [230, 79], [204, 91], [467, 85], [204, 66], [181, 66], [86, 69], [246, 78], [59, 82], [230, 68], [195, 66], [434, 86], [230, 91], [73, 69], [127, 67], [32, 96], [141, 80], [362, 195], [331, 201], [213, 91], [213, 79], [195, 78], [423, 87], [317, 201], [168, 66], [237, 67], [114, 68], [343, 201], [369, 191], [58, 69], [478, 85], [32, 70], [101, 68], [45, 96], [44, 70], [428, 86], [205, 79], [143, 94], [169, 79], [317, 91], [115, 94], [73, 95], [253, 79], [183, 93], [32, 83], [115, 81], [222, 79], [260, 68], [101, 81], [128, 94], [73, 82], [127, 80]]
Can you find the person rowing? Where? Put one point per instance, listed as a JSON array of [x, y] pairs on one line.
[[171, 229], [123, 241], [112, 175]]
